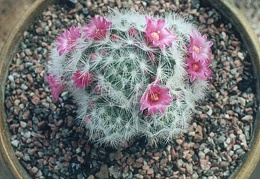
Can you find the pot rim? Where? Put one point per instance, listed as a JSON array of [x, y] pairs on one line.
[[248, 36], [226, 8], [13, 167]]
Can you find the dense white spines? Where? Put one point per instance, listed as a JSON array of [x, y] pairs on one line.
[[123, 65]]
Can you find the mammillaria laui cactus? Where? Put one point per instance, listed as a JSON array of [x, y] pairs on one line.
[[132, 75]]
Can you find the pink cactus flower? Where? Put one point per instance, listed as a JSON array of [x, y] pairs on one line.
[[68, 40], [98, 89], [98, 28], [92, 56], [155, 98], [132, 32], [157, 34], [199, 46], [87, 119], [198, 69], [55, 85], [82, 79]]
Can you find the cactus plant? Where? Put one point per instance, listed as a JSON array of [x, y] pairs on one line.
[[132, 75]]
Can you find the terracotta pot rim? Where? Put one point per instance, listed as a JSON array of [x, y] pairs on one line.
[[225, 7]]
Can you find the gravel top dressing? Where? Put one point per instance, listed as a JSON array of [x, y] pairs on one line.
[[50, 144]]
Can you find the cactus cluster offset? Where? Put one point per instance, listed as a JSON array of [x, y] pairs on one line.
[[132, 75]]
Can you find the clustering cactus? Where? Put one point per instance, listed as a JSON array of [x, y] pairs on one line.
[[132, 75]]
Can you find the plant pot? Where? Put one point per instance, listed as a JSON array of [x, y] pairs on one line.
[[10, 166], [13, 168]]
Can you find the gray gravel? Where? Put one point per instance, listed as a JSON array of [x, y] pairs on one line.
[[49, 144]]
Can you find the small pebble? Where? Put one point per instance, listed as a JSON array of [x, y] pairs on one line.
[[23, 124], [15, 143]]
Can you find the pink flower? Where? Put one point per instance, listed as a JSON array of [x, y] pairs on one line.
[[82, 79], [157, 34], [55, 85], [132, 32], [199, 46], [92, 56], [87, 119], [198, 69], [155, 98], [98, 89], [68, 40], [98, 28]]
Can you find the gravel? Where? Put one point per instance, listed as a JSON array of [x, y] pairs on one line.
[[49, 144]]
